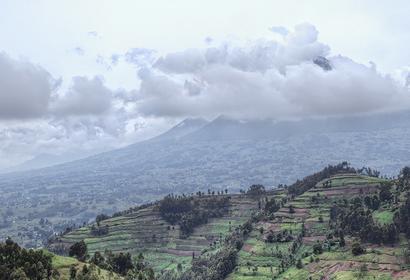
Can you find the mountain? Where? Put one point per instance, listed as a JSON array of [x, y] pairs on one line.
[[196, 155], [182, 129], [44, 160], [333, 224]]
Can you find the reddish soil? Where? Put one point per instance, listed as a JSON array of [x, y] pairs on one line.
[[312, 239], [401, 275], [247, 248]]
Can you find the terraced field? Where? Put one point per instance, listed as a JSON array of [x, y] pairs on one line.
[[145, 231], [309, 212], [63, 265]]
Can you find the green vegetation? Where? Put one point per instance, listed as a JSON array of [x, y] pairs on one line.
[[189, 214], [335, 223], [366, 208], [164, 245], [20, 264]]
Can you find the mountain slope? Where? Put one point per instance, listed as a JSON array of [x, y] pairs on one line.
[[197, 155], [318, 228], [144, 230]]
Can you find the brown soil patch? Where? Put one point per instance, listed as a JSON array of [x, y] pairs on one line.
[[313, 239], [247, 248]]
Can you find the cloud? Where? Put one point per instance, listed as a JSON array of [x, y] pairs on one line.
[[25, 89], [266, 79], [280, 30], [85, 97], [140, 56], [181, 62]]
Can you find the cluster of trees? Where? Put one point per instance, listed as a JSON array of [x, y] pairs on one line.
[[256, 190], [309, 182], [189, 213], [272, 206], [120, 263], [282, 236], [355, 218], [87, 272], [100, 218], [369, 172], [22, 264], [78, 250], [99, 230]]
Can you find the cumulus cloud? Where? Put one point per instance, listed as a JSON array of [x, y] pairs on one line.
[[85, 97], [280, 30], [266, 79], [25, 89]]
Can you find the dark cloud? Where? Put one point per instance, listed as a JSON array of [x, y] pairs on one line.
[[25, 89]]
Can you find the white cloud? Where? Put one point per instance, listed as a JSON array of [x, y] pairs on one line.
[[25, 89], [266, 79], [85, 97]]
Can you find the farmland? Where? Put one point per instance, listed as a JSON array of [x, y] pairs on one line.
[[260, 259]]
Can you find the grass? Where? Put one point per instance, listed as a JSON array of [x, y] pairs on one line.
[[383, 217], [63, 265]]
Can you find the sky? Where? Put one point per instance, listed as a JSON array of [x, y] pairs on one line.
[[81, 77]]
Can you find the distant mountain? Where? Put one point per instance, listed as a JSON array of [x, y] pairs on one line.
[[44, 160], [200, 155], [182, 129]]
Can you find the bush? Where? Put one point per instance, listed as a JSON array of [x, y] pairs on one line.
[[357, 249], [78, 250]]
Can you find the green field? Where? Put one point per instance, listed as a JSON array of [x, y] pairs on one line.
[[144, 231], [261, 260]]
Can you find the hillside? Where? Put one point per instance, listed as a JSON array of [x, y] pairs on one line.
[[162, 243], [267, 254], [330, 225], [195, 155]]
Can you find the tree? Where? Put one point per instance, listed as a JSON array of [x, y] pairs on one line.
[[272, 206], [299, 264], [19, 263], [78, 250], [385, 193], [256, 190], [357, 249], [101, 217], [73, 272], [121, 263], [19, 274], [342, 241], [99, 260], [317, 248]]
